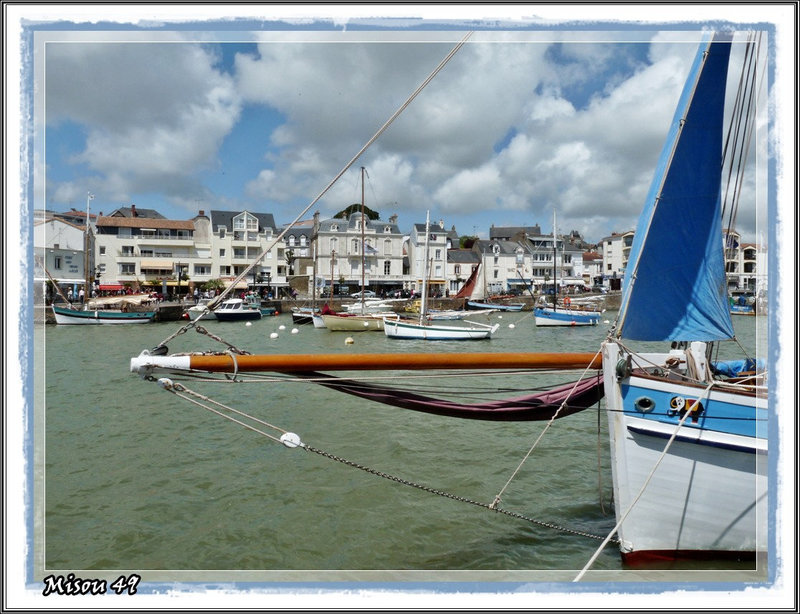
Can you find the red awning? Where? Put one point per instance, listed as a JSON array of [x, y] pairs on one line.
[[111, 287]]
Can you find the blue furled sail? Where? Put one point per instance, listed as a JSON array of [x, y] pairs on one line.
[[676, 288]]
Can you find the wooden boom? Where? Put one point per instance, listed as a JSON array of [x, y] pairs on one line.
[[292, 363]]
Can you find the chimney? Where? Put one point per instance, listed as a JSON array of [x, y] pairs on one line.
[[202, 212], [133, 210]]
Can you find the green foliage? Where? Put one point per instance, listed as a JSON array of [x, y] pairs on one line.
[[213, 284], [467, 242], [356, 208]]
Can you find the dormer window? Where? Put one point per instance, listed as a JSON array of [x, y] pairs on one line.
[[387, 229], [245, 221], [292, 241], [334, 227], [221, 231]]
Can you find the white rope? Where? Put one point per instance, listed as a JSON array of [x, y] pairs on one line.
[[375, 137], [187, 394], [689, 412], [544, 430]]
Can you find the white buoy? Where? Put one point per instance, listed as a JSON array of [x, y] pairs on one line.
[[511, 325], [273, 336], [295, 331], [165, 383], [282, 327], [249, 324], [349, 341], [500, 317], [606, 322]]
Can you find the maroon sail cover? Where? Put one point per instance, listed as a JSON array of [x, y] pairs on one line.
[[539, 406]]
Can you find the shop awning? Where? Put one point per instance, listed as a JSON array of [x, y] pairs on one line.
[[157, 263], [241, 285], [111, 287]]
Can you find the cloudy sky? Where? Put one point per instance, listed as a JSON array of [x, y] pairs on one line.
[[520, 123]]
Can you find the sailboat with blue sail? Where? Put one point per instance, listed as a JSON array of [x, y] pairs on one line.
[[688, 445]]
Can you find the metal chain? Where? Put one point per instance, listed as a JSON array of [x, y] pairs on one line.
[[493, 507], [233, 348], [174, 388]]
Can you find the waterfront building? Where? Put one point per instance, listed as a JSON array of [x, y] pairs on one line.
[[142, 251], [507, 266], [437, 258], [460, 265], [616, 250], [58, 248], [340, 248], [745, 264], [233, 240]]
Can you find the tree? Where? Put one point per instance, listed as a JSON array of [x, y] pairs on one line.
[[213, 284], [356, 208], [467, 242]]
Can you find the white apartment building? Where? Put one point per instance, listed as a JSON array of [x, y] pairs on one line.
[[147, 253], [58, 249], [507, 266], [348, 252], [437, 258], [745, 264], [616, 250], [228, 242]]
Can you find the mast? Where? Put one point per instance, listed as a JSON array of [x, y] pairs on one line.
[[333, 259], [555, 287], [424, 309], [315, 240], [363, 250], [86, 242]]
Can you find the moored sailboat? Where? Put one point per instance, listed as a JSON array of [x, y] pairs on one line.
[[688, 446], [565, 314], [396, 328]]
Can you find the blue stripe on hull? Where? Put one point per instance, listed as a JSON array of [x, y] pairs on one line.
[[715, 415], [570, 318]]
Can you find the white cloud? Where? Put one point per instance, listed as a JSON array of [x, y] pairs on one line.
[[154, 114]]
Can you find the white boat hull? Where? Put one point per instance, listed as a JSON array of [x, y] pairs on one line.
[[352, 323], [708, 495], [399, 329]]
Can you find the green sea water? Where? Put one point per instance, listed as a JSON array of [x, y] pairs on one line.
[[131, 479]]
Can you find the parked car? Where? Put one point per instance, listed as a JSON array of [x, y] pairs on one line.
[[599, 288], [367, 294]]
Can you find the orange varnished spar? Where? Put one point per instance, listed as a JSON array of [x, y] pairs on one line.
[[288, 363]]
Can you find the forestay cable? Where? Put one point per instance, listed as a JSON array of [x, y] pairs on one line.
[[375, 137]]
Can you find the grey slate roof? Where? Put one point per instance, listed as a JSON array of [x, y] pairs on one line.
[[350, 223], [463, 256], [509, 232], [225, 218], [128, 212]]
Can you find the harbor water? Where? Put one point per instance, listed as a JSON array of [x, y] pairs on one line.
[[129, 477]]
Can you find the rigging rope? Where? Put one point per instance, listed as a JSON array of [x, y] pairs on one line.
[[375, 137], [199, 399], [689, 411], [538, 439]]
